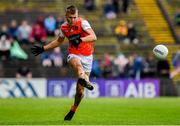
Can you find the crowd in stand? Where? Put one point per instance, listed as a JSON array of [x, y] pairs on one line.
[[177, 17], [131, 66], [15, 39], [113, 7], [126, 33]]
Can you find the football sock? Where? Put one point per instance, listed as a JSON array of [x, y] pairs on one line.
[[69, 116], [71, 113], [73, 108]]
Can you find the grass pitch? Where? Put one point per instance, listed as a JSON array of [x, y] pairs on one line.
[[101, 111]]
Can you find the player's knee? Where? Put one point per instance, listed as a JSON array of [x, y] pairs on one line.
[[80, 72]]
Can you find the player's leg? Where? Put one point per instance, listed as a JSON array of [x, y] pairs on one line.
[[87, 83], [80, 91], [83, 81], [75, 63], [87, 66], [77, 67], [78, 97], [83, 76]]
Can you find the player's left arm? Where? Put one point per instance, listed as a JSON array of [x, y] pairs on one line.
[[91, 37]]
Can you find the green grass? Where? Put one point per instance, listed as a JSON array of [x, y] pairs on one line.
[[102, 111]]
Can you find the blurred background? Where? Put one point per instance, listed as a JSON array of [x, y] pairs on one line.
[[127, 31]]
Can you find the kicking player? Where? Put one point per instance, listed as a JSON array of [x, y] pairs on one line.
[[81, 38]]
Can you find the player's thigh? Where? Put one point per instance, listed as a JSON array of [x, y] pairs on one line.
[[87, 63], [75, 63]]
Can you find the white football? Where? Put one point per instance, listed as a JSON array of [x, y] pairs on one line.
[[160, 51]]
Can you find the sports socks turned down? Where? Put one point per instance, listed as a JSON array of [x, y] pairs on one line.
[[73, 108]]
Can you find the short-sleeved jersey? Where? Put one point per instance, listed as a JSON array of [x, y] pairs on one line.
[[79, 27]]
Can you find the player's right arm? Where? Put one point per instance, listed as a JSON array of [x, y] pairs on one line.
[[36, 50], [57, 42]]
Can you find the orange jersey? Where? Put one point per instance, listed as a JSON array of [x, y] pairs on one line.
[[84, 48]]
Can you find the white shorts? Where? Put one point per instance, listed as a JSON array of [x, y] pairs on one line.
[[86, 61]]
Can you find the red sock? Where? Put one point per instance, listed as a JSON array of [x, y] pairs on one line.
[[73, 108]]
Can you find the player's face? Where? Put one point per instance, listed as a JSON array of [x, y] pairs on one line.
[[71, 18]]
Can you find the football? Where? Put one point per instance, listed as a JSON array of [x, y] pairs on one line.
[[160, 51]]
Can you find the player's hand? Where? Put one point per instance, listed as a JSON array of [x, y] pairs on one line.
[[75, 40], [37, 49]]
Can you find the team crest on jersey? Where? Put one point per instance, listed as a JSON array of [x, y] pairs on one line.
[[75, 27]]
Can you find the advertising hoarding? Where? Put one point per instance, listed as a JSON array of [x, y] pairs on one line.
[[20, 88], [148, 88]]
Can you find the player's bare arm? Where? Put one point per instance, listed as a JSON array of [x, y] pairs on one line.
[[38, 49], [91, 37], [57, 42]]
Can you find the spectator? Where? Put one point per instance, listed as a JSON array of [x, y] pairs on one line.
[[23, 72], [4, 30], [176, 64], [138, 66], [89, 4], [163, 69], [121, 62], [24, 31], [116, 6], [17, 52], [46, 60], [149, 67], [56, 57], [166, 85], [125, 5], [59, 22], [129, 68], [132, 34], [121, 30], [40, 21], [109, 10], [177, 17], [107, 66], [50, 25], [96, 69], [5, 45], [38, 34], [13, 29]]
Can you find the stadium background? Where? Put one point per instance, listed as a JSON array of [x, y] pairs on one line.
[[114, 75]]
